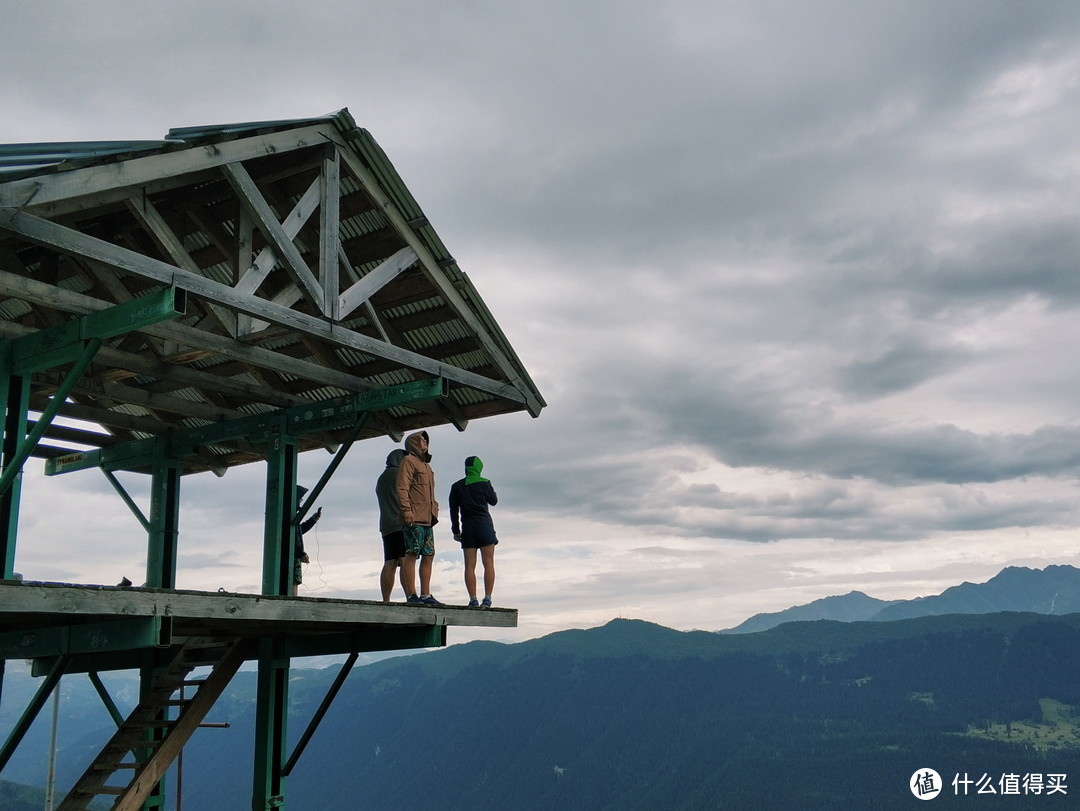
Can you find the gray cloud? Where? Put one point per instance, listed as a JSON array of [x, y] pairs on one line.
[[786, 274]]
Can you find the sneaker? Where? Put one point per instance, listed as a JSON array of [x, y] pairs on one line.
[[473, 603], [430, 600], [486, 603], [412, 599]]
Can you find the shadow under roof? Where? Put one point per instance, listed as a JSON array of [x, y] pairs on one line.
[[306, 269]]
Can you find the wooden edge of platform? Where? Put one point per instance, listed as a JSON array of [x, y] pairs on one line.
[[21, 600]]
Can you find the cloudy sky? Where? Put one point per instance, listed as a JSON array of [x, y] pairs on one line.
[[798, 281]]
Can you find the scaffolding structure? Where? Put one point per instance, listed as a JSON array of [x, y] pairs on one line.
[[228, 295]]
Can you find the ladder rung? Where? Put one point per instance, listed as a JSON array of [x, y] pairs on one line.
[[204, 662], [134, 741]]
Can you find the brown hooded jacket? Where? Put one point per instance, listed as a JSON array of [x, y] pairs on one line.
[[416, 484]]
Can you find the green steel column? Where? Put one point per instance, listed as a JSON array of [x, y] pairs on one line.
[[15, 400], [161, 550], [279, 533], [164, 522], [271, 712], [148, 675], [268, 790]]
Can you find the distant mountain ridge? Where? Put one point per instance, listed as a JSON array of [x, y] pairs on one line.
[[632, 716], [1053, 590]]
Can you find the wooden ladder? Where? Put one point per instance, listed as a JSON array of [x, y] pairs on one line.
[[139, 761]]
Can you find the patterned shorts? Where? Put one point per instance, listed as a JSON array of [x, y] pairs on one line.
[[419, 541]]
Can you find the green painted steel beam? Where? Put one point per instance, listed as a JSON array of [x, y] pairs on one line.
[[106, 699], [123, 493], [137, 455], [271, 727], [15, 400], [22, 726], [335, 463], [128, 634], [320, 713], [13, 468], [325, 415], [107, 661], [399, 637], [62, 344], [335, 413]]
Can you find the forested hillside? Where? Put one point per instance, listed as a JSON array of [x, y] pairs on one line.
[[633, 715]]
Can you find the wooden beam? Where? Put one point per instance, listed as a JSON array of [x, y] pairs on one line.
[[68, 240], [267, 258], [375, 280], [329, 231], [113, 181], [181, 376], [46, 295], [29, 604], [438, 278], [267, 222], [150, 218]]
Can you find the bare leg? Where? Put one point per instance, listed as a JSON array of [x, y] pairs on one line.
[[425, 574], [470, 571], [408, 575], [386, 579], [487, 556]]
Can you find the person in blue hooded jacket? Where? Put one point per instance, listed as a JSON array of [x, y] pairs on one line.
[[299, 555], [471, 524], [390, 527]]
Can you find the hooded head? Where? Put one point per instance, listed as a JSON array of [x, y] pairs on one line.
[[473, 469], [417, 445], [393, 459]]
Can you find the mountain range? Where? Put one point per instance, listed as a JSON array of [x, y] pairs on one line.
[[632, 715], [1053, 590]]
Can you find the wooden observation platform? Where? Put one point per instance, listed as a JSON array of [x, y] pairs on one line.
[[228, 295]]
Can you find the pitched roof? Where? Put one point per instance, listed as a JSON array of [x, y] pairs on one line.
[[308, 270]]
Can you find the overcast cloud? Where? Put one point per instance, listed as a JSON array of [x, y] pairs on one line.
[[797, 280]]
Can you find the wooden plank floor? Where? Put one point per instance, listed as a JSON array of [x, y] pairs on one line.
[[29, 605]]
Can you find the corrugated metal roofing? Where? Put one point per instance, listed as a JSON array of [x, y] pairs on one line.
[[427, 319]]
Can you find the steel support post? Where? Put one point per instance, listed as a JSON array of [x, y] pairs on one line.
[[148, 674], [279, 553], [15, 401], [22, 726], [161, 568], [268, 788], [164, 522]]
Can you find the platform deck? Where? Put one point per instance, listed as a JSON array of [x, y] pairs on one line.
[[31, 610]]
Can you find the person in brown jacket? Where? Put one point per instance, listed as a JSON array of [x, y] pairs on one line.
[[419, 513]]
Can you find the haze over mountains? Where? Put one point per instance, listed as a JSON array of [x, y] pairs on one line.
[[1053, 590], [632, 715]]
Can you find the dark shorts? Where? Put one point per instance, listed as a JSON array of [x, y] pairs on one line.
[[297, 572], [393, 545], [419, 541], [477, 534]]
